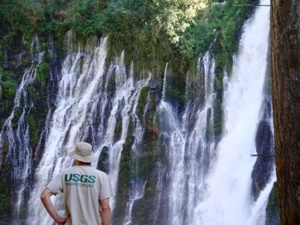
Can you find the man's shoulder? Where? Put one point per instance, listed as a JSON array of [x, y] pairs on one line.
[[66, 170], [84, 168], [101, 173]]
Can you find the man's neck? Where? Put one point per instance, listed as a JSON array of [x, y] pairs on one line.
[[79, 163]]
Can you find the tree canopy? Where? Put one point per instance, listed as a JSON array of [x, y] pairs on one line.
[[179, 28]]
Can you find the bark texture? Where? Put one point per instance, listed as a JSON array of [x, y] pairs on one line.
[[285, 69]]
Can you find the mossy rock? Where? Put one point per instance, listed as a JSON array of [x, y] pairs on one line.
[[272, 210], [103, 161], [142, 101]]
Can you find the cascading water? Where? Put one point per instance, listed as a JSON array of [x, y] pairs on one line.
[[210, 183], [200, 180], [87, 107], [228, 192], [19, 148], [188, 150], [19, 141], [70, 121]]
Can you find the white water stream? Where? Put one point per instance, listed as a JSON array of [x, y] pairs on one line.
[[227, 197], [188, 152], [80, 102], [206, 183], [19, 151], [209, 184]]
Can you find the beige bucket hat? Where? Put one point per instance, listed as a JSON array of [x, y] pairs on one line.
[[83, 152]]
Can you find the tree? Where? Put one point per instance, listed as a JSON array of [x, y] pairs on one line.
[[285, 69]]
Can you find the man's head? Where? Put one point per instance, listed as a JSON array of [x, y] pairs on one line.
[[83, 152]]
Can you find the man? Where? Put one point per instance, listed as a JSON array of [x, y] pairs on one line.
[[86, 191]]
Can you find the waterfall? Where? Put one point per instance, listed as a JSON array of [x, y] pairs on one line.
[[70, 121], [91, 95], [201, 179], [187, 149], [15, 131], [207, 182], [227, 197], [19, 140], [165, 83]]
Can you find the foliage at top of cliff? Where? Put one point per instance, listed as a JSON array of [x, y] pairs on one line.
[[168, 29]]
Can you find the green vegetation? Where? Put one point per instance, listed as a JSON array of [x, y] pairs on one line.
[[150, 153], [124, 176], [8, 84], [103, 161], [35, 115], [142, 101], [43, 74], [152, 33], [168, 30], [5, 206], [37, 94], [5, 201], [118, 128], [138, 166], [272, 210], [111, 85], [8, 87], [149, 149]]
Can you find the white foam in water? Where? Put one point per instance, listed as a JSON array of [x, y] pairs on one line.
[[227, 197], [221, 199], [80, 101]]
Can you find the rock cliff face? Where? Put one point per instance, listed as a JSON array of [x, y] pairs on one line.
[[285, 44]]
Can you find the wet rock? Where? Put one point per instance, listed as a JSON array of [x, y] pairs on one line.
[[265, 158]]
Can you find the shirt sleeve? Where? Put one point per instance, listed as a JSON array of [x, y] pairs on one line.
[[56, 185], [106, 190]]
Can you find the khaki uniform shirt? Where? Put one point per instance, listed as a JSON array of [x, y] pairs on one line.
[[83, 187]]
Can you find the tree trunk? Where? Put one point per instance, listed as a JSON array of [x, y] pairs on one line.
[[285, 70]]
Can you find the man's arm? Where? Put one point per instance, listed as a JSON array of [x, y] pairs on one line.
[[45, 197], [105, 212]]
